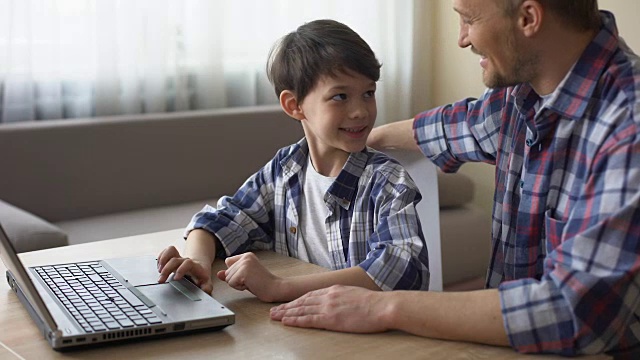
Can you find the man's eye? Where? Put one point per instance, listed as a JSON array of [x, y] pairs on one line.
[[339, 97], [370, 94]]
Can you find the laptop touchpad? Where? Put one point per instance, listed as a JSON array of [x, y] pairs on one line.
[[139, 270]]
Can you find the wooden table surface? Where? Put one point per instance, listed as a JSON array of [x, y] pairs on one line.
[[253, 336]]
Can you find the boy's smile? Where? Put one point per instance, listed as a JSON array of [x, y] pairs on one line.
[[337, 117]]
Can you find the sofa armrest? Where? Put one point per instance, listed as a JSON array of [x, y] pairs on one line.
[[27, 232]]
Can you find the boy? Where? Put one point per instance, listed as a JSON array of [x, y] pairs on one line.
[[326, 199]]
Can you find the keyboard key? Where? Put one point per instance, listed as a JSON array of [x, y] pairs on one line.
[[140, 322], [125, 323], [154, 320], [111, 325]]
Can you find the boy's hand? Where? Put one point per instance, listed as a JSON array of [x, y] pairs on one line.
[[170, 261], [246, 273]]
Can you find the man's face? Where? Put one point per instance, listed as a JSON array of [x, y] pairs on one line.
[[493, 34]]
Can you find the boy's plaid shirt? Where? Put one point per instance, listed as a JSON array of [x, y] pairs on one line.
[[372, 220]]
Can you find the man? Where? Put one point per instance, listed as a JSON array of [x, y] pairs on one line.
[[560, 123]]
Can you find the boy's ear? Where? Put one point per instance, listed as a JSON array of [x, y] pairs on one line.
[[289, 104]]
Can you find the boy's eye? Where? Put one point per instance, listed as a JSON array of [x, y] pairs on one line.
[[339, 97], [370, 94]]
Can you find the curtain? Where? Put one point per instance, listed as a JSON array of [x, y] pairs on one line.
[[85, 58]]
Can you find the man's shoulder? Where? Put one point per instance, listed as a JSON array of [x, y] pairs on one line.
[[620, 82]]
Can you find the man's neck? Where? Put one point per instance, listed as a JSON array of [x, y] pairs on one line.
[[562, 49]]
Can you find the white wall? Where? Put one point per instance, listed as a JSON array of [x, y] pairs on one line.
[[456, 73]]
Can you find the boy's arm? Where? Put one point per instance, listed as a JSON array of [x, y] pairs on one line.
[[196, 260], [245, 272], [245, 220], [397, 257], [201, 246], [296, 286]]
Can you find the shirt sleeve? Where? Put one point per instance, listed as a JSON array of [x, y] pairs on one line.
[[463, 131], [398, 257], [243, 221], [587, 300]]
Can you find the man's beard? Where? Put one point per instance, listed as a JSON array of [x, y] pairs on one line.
[[522, 70]]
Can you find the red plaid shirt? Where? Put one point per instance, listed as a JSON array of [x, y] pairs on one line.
[[566, 230]]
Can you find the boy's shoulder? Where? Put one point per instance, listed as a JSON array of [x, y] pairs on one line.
[[381, 164], [381, 161], [289, 158], [297, 151]]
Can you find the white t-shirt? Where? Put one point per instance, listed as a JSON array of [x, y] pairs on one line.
[[313, 246]]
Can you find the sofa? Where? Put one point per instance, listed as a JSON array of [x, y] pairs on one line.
[[79, 180]]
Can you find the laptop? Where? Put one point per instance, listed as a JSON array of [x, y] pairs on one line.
[[92, 302]]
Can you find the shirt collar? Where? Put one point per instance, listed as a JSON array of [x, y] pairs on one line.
[[571, 98], [345, 186]]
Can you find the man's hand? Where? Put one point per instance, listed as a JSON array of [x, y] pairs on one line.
[[338, 308], [245, 272], [170, 261]]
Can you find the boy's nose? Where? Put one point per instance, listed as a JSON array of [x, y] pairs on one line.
[[359, 111]]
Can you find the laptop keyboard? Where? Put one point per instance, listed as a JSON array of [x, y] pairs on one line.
[[95, 298]]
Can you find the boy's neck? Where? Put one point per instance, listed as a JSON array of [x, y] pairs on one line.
[[329, 163]]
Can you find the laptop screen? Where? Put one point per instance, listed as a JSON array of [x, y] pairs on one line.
[[14, 265]]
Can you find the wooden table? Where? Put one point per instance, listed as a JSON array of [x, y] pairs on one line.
[[253, 336]]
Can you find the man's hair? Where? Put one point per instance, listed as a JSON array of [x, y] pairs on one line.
[[315, 49], [580, 14]]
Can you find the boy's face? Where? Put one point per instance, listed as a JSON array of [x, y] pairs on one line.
[[339, 113]]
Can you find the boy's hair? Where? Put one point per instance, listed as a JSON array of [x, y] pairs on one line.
[[581, 14], [315, 49]]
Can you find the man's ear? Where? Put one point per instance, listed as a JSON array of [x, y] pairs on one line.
[[289, 103], [530, 15]]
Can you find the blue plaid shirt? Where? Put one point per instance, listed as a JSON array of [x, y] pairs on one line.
[[566, 234], [372, 220]]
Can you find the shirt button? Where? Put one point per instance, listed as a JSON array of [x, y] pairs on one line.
[[529, 142], [521, 184], [293, 230]]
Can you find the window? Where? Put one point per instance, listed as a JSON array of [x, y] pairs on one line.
[[83, 58]]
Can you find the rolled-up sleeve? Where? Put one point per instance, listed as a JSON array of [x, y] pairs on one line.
[[398, 258]]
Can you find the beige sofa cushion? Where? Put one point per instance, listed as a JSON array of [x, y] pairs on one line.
[[134, 222], [28, 232], [454, 190]]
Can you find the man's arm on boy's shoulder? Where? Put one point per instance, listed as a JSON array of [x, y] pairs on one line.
[[396, 135], [473, 316]]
